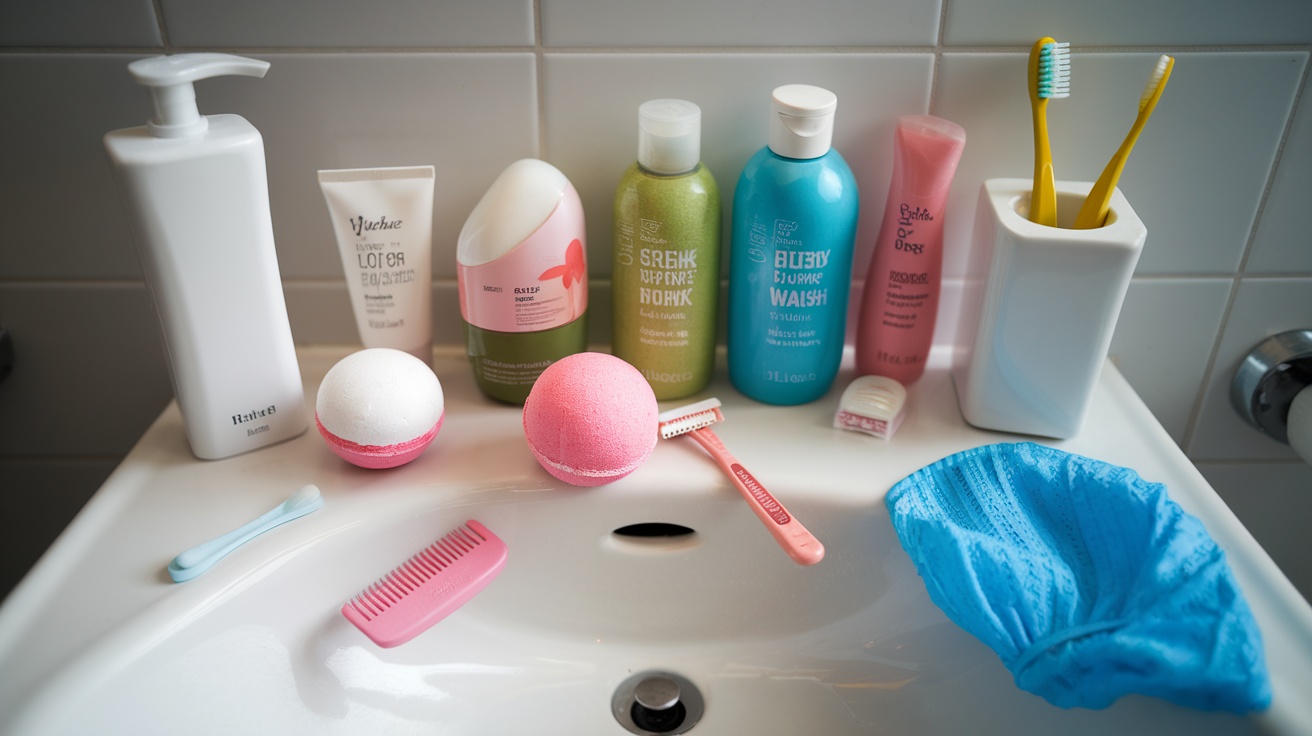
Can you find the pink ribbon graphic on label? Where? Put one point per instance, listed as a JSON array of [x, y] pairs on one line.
[[572, 271]]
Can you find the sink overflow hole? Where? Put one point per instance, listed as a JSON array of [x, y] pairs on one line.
[[654, 530]]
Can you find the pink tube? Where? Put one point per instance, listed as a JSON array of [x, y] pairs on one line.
[[900, 303]]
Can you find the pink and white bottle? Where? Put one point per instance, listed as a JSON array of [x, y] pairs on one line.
[[900, 303]]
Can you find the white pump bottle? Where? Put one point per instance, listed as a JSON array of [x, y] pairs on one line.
[[196, 195]]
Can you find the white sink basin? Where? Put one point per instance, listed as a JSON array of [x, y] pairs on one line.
[[98, 640]]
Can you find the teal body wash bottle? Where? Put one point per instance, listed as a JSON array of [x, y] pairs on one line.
[[790, 258], [666, 254]]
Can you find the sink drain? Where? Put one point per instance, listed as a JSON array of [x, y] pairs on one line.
[[654, 703]]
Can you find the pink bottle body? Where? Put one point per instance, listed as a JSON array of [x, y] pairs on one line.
[[900, 303]]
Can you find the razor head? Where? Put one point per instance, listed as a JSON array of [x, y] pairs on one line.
[[685, 419]]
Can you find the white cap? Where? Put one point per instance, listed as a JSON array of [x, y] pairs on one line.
[[172, 95], [519, 201], [669, 136], [802, 121]]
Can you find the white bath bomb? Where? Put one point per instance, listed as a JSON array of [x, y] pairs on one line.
[[379, 408]]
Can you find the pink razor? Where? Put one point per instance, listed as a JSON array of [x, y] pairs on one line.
[[695, 420]]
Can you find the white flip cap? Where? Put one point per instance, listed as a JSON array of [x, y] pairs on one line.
[[802, 121], [669, 136], [519, 201], [172, 94]]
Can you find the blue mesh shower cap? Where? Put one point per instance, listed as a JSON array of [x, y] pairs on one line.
[[1088, 581]]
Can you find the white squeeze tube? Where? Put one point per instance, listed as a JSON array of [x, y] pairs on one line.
[[383, 219]]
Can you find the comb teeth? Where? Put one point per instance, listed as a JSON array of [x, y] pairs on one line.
[[429, 586], [1055, 70], [406, 579], [694, 416]]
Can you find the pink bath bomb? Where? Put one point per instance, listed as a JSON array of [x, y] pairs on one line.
[[379, 408], [591, 419]]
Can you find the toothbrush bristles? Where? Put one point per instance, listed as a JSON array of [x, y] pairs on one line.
[[1154, 80], [1055, 70]]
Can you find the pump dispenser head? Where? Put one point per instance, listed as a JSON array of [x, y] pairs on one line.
[[173, 97], [669, 136], [802, 121]]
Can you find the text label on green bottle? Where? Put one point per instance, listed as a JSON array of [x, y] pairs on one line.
[[667, 277]]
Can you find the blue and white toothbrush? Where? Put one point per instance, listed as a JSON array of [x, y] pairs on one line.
[[200, 558], [1049, 78]]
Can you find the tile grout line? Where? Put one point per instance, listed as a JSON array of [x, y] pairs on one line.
[[938, 58], [938, 48], [1276, 163], [1240, 275], [539, 81], [165, 42]]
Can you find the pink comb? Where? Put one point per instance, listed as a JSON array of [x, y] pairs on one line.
[[695, 420], [429, 586]]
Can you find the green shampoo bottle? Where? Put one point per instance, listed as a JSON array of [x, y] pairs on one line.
[[666, 254]]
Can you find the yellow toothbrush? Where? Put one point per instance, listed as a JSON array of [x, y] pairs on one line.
[[1094, 211], [1049, 78]]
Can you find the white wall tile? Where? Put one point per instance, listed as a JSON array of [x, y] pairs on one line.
[[985, 94], [1163, 340], [61, 213], [1274, 502], [1284, 238], [1262, 307], [1194, 181], [86, 23], [348, 24], [1189, 179], [592, 119], [1129, 22], [89, 372], [469, 115], [320, 313], [767, 23]]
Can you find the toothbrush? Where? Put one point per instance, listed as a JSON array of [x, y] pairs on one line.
[[429, 586], [1094, 211], [695, 420], [1049, 78], [200, 558]]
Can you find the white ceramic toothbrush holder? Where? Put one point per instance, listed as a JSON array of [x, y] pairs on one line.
[[1039, 308]]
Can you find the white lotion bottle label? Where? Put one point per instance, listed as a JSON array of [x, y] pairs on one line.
[[384, 225]]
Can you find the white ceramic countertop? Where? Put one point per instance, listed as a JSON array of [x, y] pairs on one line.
[[109, 565]]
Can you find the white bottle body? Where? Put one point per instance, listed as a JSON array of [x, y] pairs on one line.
[[198, 207], [1039, 308]]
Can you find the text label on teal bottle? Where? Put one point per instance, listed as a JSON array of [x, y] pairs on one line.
[[790, 266]]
